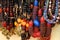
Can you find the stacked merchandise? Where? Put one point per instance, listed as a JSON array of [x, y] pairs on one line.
[[28, 18]]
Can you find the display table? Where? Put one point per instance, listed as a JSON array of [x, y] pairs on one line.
[[13, 37], [55, 34]]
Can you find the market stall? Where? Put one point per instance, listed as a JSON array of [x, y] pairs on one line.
[[28, 19]]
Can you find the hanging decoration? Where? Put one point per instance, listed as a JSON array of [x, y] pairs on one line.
[[58, 18], [54, 16], [35, 9]]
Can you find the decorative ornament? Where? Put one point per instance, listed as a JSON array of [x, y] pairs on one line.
[[23, 23], [19, 20], [42, 20], [31, 23], [49, 25], [36, 32], [35, 9], [36, 23], [27, 25], [54, 16], [0, 10], [16, 24], [36, 29], [35, 3], [4, 24], [22, 20], [40, 12]]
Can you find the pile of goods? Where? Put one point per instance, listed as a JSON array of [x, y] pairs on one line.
[[28, 18]]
